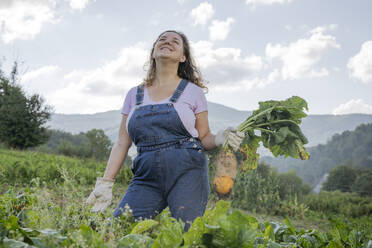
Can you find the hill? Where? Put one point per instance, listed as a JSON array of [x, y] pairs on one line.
[[352, 148]]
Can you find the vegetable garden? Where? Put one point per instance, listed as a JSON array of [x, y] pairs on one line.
[[41, 205]]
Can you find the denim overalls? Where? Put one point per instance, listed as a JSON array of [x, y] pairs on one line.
[[171, 167]]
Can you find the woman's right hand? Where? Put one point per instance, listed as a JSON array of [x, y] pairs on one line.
[[101, 196]]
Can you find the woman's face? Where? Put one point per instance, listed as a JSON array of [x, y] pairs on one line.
[[169, 46]]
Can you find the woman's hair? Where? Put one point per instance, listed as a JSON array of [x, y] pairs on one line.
[[186, 70]]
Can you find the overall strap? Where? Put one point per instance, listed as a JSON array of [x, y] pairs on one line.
[[179, 90], [139, 94]]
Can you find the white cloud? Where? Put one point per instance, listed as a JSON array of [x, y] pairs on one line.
[[353, 107], [249, 83], [271, 78], [225, 66], [266, 2], [115, 76], [43, 80], [300, 57], [102, 88], [360, 66], [220, 29], [202, 13], [42, 71], [24, 19], [322, 29], [78, 4], [90, 90]]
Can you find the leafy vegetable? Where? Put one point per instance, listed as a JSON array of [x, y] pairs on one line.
[[276, 125]]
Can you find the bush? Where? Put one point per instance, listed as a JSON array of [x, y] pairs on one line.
[[66, 148], [363, 183], [340, 178], [348, 204], [350, 179], [291, 185]]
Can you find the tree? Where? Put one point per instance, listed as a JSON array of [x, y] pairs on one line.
[[99, 144], [363, 183], [340, 178], [290, 185], [21, 117]]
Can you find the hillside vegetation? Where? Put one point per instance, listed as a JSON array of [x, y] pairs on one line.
[[352, 148]]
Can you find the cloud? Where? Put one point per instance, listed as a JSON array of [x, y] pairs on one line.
[[353, 107], [115, 76], [78, 4], [24, 19], [42, 71], [220, 29], [249, 83], [225, 65], [271, 78], [322, 29], [300, 57], [43, 80], [104, 87], [90, 90], [266, 2], [360, 66], [202, 13]]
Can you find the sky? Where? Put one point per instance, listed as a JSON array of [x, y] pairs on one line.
[[82, 56]]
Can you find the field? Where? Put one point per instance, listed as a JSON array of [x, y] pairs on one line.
[[42, 205]]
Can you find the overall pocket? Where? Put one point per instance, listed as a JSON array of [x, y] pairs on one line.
[[134, 165], [197, 157]]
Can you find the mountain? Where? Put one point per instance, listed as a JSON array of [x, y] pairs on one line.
[[220, 116], [317, 128]]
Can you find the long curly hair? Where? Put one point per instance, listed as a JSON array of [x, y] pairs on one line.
[[186, 70]]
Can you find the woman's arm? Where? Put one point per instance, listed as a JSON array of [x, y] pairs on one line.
[[119, 151], [205, 135]]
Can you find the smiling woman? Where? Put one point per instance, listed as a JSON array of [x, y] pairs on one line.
[[166, 118]]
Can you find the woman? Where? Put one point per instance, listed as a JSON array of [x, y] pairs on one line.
[[167, 119]]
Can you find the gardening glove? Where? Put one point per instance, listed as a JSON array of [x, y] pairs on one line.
[[101, 196], [233, 137]]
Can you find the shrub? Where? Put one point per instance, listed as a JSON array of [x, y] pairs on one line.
[[348, 204]]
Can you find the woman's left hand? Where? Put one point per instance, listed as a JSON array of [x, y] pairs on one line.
[[234, 138]]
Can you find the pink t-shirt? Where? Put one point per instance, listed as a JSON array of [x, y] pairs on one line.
[[191, 102]]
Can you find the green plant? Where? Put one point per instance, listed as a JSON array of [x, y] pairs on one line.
[[22, 117], [278, 124]]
